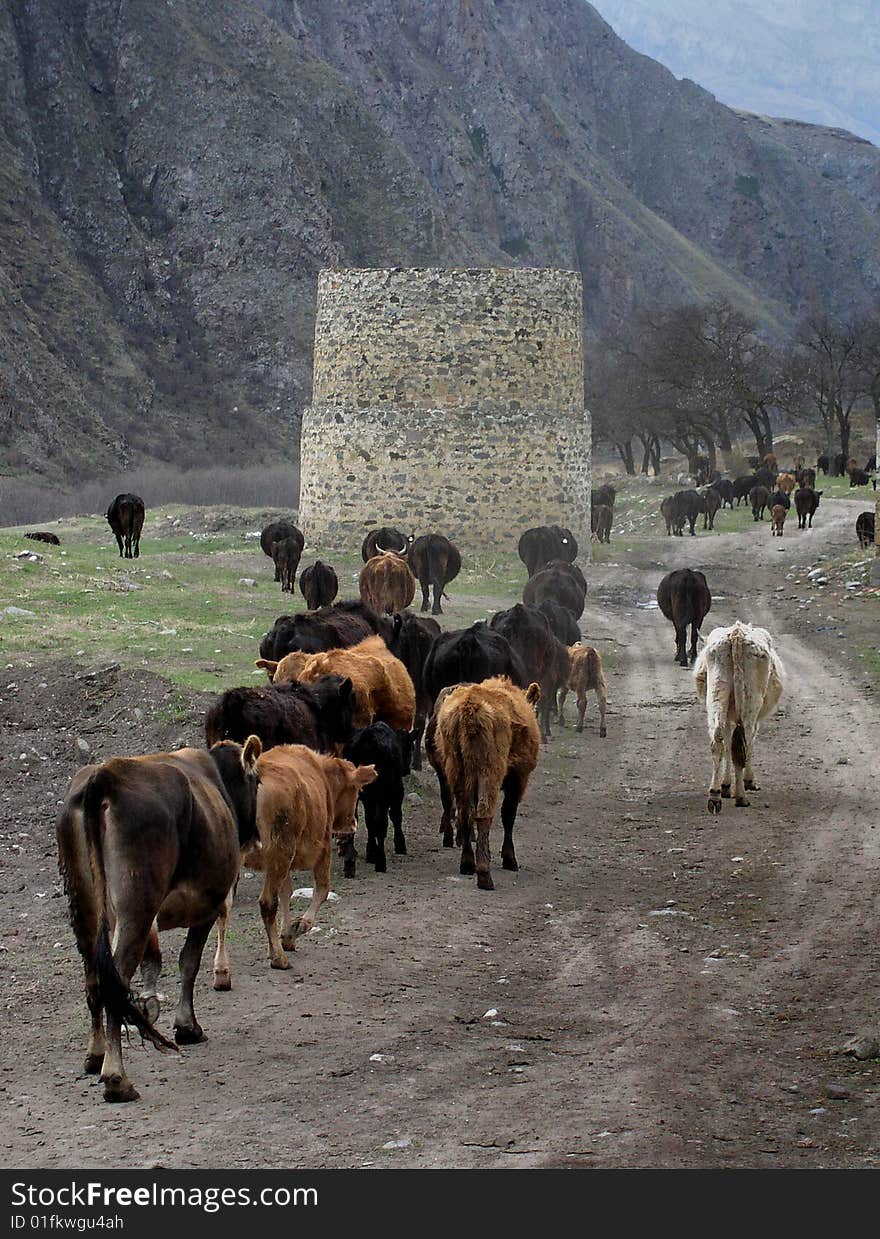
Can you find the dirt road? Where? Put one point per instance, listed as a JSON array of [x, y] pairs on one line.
[[655, 987]]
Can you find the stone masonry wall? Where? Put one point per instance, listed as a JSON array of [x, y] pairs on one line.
[[446, 400]]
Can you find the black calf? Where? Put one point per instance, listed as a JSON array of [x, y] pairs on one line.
[[390, 752]]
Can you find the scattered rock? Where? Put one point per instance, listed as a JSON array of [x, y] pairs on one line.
[[398, 1144], [248, 581], [82, 746], [836, 1092], [414, 798], [862, 1048], [20, 611]]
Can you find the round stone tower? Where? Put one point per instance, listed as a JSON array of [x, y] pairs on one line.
[[447, 401]]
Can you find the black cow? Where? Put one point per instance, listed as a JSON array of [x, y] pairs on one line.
[[686, 507], [319, 715], [125, 516], [779, 496], [286, 556], [823, 463], [329, 628], [806, 500], [684, 598], [865, 529], [725, 489], [603, 495], [759, 497], [858, 477], [838, 465], [389, 751], [276, 532], [469, 655], [742, 486], [41, 535], [434, 561], [561, 620], [805, 477], [546, 660], [388, 538], [562, 582], [411, 639], [711, 503], [539, 546], [318, 584]]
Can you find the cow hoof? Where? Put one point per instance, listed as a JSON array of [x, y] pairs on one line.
[[400, 849], [349, 869], [281, 962], [509, 864], [602, 733], [381, 865], [150, 1008], [751, 786], [714, 803], [118, 1088], [741, 802], [725, 791], [188, 1034], [448, 841], [467, 867], [484, 882], [92, 1065], [222, 980]]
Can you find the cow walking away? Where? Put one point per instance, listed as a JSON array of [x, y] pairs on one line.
[[684, 598], [759, 497], [329, 628], [435, 561], [470, 655], [386, 583], [148, 843], [125, 516], [318, 584], [545, 543], [586, 675], [389, 752], [286, 553], [320, 715], [385, 539], [739, 678], [546, 659], [279, 531], [601, 520], [564, 583], [483, 742]]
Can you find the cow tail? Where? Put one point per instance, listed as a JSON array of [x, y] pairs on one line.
[[114, 993], [738, 745], [473, 743]]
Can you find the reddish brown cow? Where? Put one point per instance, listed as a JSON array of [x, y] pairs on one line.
[[386, 583], [586, 675]]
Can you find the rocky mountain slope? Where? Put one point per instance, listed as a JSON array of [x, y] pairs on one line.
[[172, 178]]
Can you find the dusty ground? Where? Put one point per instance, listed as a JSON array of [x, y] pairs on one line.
[[668, 989]]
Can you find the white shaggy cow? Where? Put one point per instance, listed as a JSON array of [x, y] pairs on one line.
[[739, 678]]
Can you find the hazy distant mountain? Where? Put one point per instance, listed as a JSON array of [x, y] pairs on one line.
[[816, 60]]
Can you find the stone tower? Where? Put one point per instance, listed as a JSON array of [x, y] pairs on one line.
[[447, 401]]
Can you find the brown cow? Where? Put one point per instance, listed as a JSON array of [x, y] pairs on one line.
[[386, 583], [778, 514], [483, 740], [382, 686], [148, 843], [601, 518], [305, 800], [586, 674], [786, 482], [667, 511]]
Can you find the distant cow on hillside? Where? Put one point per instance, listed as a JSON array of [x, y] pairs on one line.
[[125, 516], [42, 535]]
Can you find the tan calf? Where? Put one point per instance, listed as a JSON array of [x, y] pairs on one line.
[[383, 690], [778, 514], [586, 675], [786, 482], [305, 799]]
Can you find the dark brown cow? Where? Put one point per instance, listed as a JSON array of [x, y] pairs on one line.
[[435, 562], [277, 532], [711, 503], [545, 544], [684, 598], [386, 583], [865, 529], [601, 519], [330, 628], [125, 516], [759, 497], [546, 660], [667, 511], [483, 742], [286, 555], [562, 582], [806, 501], [604, 494], [146, 841], [320, 715], [318, 584], [385, 539], [411, 640], [41, 535]]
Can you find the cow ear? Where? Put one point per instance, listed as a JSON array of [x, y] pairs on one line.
[[253, 747], [533, 693], [364, 775], [346, 688], [268, 665]]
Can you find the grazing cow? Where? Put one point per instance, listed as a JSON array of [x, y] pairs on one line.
[[786, 482], [562, 582], [385, 539], [380, 682], [41, 535], [601, 520], [684, 598], [686, 507], [741, 488], [725, 489], [545, 659], [435, 562], [469, 655], [711, 503], [389, 752], [561, 621], [286, 555], [865, 529], [411, 639], [148, 843], [667, 511], [778, 513], [806, 500], [386, 583], [306, 799], [483, 742], [331, 628], [125, 516], [739, 677], [858, 477], [545, 543], [759, 497], [319, 715], [586, 674], [318, 584], [277, 532], [823, 463]]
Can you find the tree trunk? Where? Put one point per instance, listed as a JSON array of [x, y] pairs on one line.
[[625, 451], [655, 453]]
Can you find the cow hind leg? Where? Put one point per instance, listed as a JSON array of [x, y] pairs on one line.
[[695, 632], [740, 753], [718, 746], [187, 1030], [467, 864], [97, 1047], [320, 891], [603, 702], [151, 966], [560, 703], [221, 977], [127, 954], [484, 874], [396, 811], [681, 644], [448, 811], [512, 795], [284, 897], [582, 708], [273, 881], [436, 609], [426, 601]]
